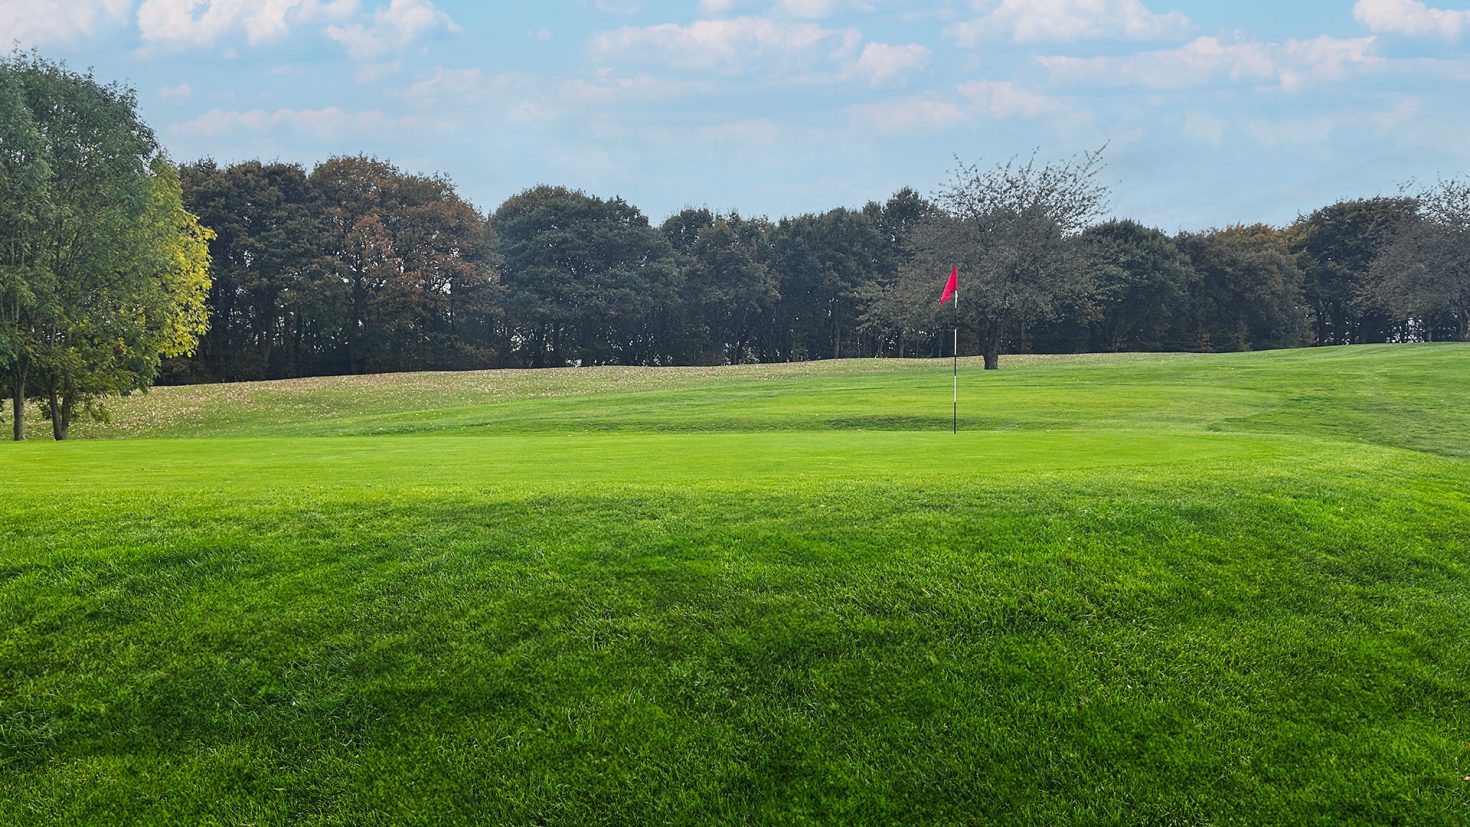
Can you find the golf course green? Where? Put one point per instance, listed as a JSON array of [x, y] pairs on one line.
[[1134, 589]]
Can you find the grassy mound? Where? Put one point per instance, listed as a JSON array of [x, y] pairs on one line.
[[1134, 589]]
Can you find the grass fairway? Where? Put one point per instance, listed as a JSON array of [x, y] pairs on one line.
[[1136, 589]]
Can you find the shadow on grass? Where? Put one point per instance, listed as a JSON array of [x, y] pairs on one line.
[[1195, 649]]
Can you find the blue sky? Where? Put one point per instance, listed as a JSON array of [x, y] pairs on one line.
[[1213, 112]]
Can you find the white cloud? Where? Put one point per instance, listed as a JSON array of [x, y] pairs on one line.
[[1005, 99], [385, 30], [461, 85], [619, 6], [978, 99], [182, 92], [1291, 65], [1411, 17], [879, 62], [608, 88], [1323, 58], [393, 28], [809, 9], [376, 72], [38, 22], [792, 49], [330, 124], [1320, 129], [734, 46], [799, 9], [1071, 20], [202, 22]]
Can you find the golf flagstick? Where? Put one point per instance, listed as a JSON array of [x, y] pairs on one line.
[[952, 291]]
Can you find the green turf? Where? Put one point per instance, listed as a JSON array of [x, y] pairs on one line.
[[1135, 589]]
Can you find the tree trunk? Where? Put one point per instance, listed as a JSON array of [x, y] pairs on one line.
[[991, 335], [538, 346], [991, 349], [68, 407], [18, 400], [60, 414], [295, 366]]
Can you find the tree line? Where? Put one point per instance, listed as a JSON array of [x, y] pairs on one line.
[[355, 266]]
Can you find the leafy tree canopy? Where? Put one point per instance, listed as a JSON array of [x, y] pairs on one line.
[[104, 272]]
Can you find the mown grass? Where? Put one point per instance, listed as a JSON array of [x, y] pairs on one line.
[[1137, 589]]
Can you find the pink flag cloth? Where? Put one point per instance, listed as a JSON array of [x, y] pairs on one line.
[[951, 286]]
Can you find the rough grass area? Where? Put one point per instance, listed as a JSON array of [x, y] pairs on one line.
[[1136, 589]]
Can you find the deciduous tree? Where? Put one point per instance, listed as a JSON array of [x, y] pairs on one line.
[[103, 270], [1141, 280], [1423, 275], [1335, 247], [587, 280], [1249, 292], [1008, 229]]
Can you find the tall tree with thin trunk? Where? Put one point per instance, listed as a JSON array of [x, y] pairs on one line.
[[25, 210]]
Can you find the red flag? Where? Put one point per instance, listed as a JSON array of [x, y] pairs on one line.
[[951, 286]]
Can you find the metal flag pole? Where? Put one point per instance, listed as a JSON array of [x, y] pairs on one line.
[[956, 425]]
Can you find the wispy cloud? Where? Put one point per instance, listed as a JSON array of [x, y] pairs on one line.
[[799, 9], [774, 47], [192, 23], [609, 88], [1006, 99], [181, 92], [735, 46], [459, 87], [392, 28], [365, 35], [1411, 17], [918, 114], [1319, 129], [45, 22], [1029, 21], [1290, 66], [880, 63], [330, 123], [976, 100]]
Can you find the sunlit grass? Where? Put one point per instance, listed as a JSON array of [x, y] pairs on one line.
[[1135, 589]]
